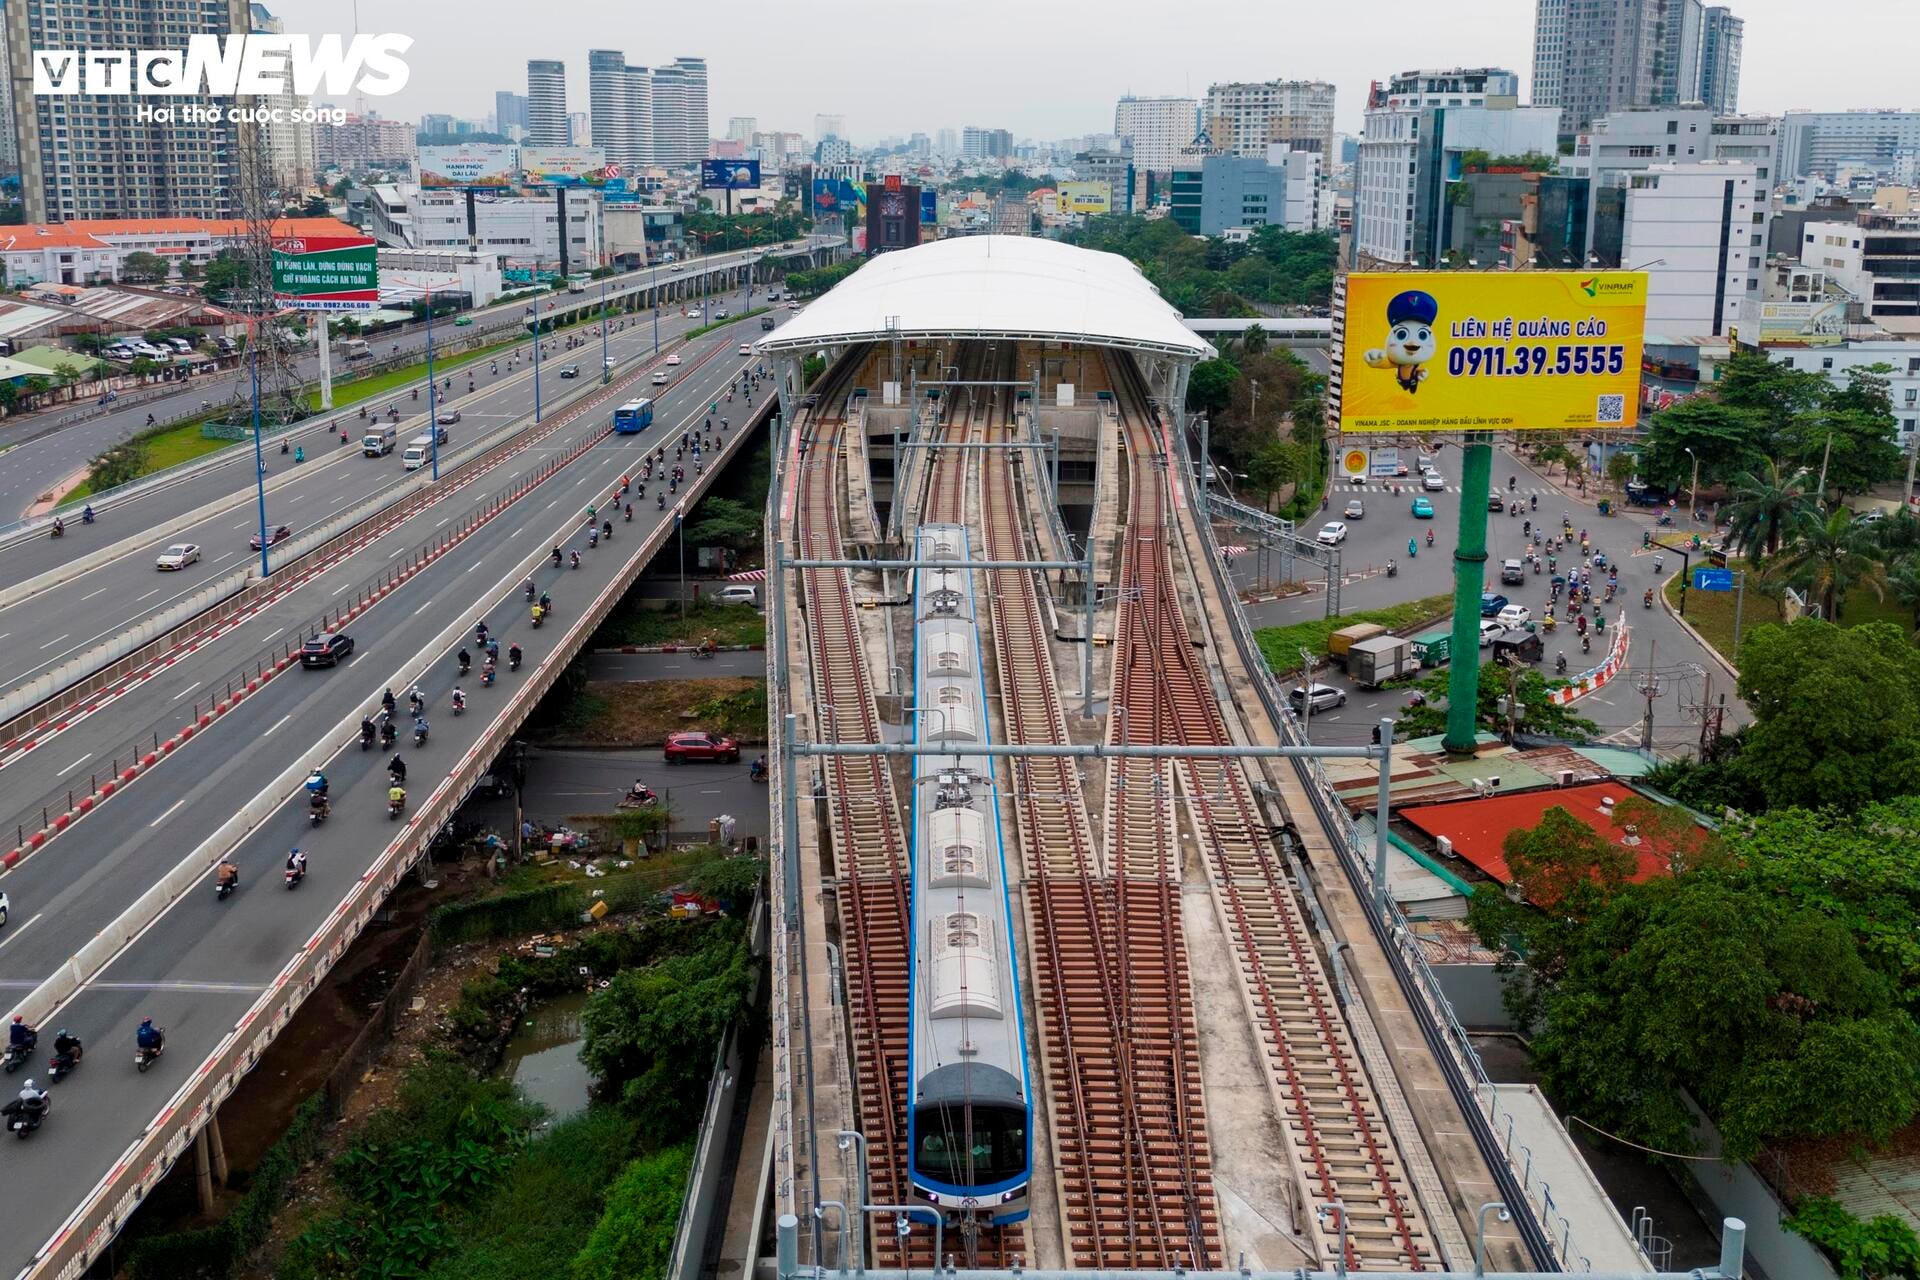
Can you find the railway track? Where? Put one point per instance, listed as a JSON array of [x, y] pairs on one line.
[[1339, 1145], [870, 857], [1116, 1013]]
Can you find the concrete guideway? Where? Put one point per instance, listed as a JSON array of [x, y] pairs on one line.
[[219, 974]]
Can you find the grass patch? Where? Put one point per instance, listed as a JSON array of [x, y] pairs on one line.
[[636, 624], [721, 324], [1281, 646], [641, 713], [354, 390], [1711, 612]]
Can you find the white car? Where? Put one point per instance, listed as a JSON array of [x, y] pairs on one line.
[[1433, 480], [660, 379], [746, 348], [178, 556], [1332, 533], [1491, 630], [1514, 615], [1323, 697], [672, 360]]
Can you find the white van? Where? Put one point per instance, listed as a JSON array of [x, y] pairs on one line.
[[419, 452], [740, 593]]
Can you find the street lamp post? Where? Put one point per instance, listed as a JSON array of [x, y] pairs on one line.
[[653, 292], [433, 411], [259, 462], [1693, 490], [606, 373], [680, 536], [536, 361]]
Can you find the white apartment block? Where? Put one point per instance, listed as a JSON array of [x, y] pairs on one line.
[[547, 103], [1630, 141], [1158, 128], [1245, 119], [1826, 142], [1698, 231], [1902, 359], [519, 232], [1549, 52]]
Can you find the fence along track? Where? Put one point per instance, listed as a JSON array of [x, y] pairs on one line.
[[1339, 1145], [1110, 970]]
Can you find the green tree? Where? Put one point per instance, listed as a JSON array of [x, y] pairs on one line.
[[9, 395], [1836, 713], [316, 207], [143, 266], [1884, 1248], [1779, 393], [634, 1238], [1728, 441], [722, 522], [651, 1033], [1858, 421], [122, 463], [1564, 866], [225, 274], [1903, 584], [1622, 467], [1829, 558], [1767, 505], [1210, 385], [1254, 340]]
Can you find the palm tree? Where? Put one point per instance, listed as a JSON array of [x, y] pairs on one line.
[[1766, 508], [1831, 557], [1903, 584]]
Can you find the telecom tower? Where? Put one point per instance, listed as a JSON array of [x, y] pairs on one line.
[[282, 399]]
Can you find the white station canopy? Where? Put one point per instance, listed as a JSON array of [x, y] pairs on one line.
[[1015, 287]]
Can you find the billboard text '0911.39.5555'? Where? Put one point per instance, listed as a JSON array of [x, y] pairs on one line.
[[1491, 351]]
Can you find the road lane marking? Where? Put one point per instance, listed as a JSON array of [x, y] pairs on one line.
[[75, 765], [277, 723], [169, 813], [91, 594], [56, 640], [22, 929], [184, 692], [150, 595]]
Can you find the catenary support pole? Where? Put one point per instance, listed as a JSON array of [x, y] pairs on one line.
[[1469, 570]]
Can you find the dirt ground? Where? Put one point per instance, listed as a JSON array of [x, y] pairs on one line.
[[641, 713]]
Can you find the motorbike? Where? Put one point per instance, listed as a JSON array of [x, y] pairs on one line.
[[1664, 519], [659, 504], [757, 772], [513, 659], [18, 1055], [576, 559], [419, 736], [1393, 570], [556, 557], [223, 889], [394, 805], [86, 516], [530, 590], [366, 737], [294, 875], [486, 679], [318, 810], [144, 1057], [58, 530], [593, 537], [629, 513], [23, 1119], [1646, 601], [388, 734], [1560, 664], [459, 705], [62, 1064], [539, 616]]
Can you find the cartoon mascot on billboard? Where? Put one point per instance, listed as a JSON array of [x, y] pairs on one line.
[[1410, 343]]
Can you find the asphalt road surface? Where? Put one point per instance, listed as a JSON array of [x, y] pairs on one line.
[[32, 466], [53, 626], [1656, 642], [204, 962]]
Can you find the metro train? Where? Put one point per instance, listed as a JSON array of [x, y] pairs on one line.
[[970, 1111]]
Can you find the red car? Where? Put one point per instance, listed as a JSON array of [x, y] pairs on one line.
[[280, 533], [682, 747]]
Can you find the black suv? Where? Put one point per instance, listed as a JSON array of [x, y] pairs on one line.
[[326, 649]]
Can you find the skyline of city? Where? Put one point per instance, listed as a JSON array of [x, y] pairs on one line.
[[1787, 63]]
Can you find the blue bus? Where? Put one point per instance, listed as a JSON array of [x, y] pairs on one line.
[[632, 417]]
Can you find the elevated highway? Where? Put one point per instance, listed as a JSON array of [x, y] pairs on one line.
[[114, 918], [43, 447]]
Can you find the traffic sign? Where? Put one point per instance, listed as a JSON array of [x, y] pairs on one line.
[[1705, 579]]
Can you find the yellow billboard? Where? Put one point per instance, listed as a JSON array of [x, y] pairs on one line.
[[1491, 351], [1083, 197]]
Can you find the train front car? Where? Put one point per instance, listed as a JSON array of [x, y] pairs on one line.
[[969, 1117]]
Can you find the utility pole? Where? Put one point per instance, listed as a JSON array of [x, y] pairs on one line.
[[1649, 689], [1825, 456]]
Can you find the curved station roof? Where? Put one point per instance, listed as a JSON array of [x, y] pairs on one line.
[[1014, 287]]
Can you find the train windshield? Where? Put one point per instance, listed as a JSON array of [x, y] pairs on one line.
[[996, 1151]]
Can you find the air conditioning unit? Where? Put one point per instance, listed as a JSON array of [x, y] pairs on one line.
[[1480, 786], [1444, 845], [1566, 777]]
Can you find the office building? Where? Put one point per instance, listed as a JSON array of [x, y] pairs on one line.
[[742, 129], [946, 143], [1692, 228], [1116, 170], [696, 129], [1873, 258], [364, 143], [1721, 35], [547, 103], [1627, 143], [579, 129], [985, 144], [1156, 128], [510, 114], [1826, 143], [638, 87], [607, 104], [1216, 194], [87, 155], [521, 233], [289, 137], [1422, 128], [832, 150], [1246, 119], [669, 116], [1595, 57], [779, 146]]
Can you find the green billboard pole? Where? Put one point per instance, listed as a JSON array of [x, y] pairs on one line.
[[1469, 575]]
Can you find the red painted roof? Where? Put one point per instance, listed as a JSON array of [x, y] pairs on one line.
[[1477, 827]]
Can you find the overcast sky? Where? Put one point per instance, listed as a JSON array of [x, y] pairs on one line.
[[1052, 69]]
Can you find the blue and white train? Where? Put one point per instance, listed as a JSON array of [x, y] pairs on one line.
[[969, 1115]]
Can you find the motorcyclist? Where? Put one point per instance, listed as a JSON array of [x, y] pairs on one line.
[[228, 874], [513, 656], [466, 661], [758, 769], [416, 700], [606, 530], [397, 795], [387, 732], [397, 768], [546, 603], [366, 729], [86, 514], [21, 1035], [419, 728], [538, 614], [459, 699], [317, 782], [149, 1038], [386, 700], [297, 862], [66, 1045], [556, 557], [33, 1101]]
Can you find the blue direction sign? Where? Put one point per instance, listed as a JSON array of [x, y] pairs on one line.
[[1706, 579]]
